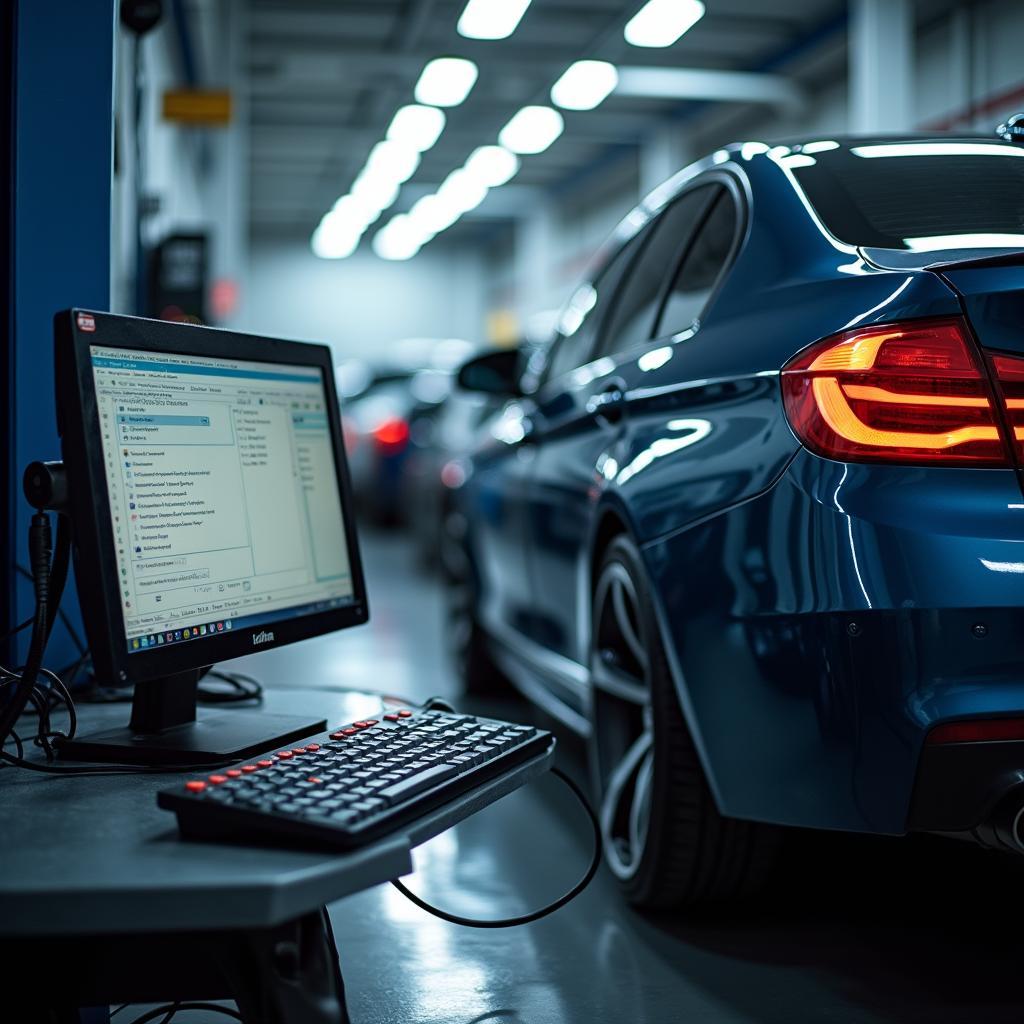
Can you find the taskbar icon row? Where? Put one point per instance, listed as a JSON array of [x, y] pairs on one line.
[[178, 636]]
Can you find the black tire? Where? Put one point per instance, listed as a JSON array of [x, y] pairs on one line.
[[679, 852]]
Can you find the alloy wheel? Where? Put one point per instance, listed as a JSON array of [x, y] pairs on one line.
[[622, 720]]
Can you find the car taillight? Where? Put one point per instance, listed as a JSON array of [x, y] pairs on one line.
[[391, 435], [913, 393], [1009, 371]]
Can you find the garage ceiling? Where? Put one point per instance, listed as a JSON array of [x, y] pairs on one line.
[[326, 76]]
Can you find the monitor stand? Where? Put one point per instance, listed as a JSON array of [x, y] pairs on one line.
[[167, 729]]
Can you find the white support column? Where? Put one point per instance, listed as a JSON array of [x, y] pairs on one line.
[[535, 261], [226, 190], [662, 155], [881, 65]]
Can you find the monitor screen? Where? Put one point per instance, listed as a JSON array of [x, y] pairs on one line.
[[224, 500]]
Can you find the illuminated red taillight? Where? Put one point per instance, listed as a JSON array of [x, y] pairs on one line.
[[913, 393], [977, 730], [391, 435], [1009, 371]]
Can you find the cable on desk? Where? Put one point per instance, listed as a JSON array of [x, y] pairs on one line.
[[536, 915], [173, 1009], [60, 613]]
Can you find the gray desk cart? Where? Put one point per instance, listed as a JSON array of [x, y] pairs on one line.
[[102, 902]]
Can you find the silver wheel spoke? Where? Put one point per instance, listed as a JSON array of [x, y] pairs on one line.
[[622, 786], [623, 620], [624, 736], [612, 680], [640, 811]]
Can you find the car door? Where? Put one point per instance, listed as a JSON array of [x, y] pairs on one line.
[[579, 426]]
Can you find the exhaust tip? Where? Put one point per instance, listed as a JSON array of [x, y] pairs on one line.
[[1008, 822]]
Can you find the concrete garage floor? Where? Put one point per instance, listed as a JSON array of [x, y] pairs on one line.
[[855, 930]]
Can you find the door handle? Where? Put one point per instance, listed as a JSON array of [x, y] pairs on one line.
[[608, 404]]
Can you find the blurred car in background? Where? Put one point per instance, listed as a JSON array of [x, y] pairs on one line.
[[442, 437], [376, 426], [384, 409]]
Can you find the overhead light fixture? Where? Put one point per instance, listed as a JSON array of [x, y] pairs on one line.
[[393, 161], [491, 19], [445, 81], [532, 130], [397, 240], [416, 126], [355, 212], [662, 22], [492, 165], [374, 190], [584, 84], [336, 237], [462, 191], [432, 214]]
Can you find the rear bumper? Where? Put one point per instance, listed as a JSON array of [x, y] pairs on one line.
[[820, 630], [959, 785]]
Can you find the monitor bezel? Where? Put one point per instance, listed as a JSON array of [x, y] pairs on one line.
[[96, 570]]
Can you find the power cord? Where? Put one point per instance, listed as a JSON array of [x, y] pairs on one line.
[[171, 1010], [536, 915]]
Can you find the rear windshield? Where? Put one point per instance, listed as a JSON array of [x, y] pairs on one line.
[[918, 196]]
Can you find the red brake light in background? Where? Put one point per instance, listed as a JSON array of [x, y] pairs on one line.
[[914, 392], [391, 435]]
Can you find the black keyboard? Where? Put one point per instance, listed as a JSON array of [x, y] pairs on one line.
[[354, 783]]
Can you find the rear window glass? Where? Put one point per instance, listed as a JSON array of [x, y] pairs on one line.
[[919, 196]]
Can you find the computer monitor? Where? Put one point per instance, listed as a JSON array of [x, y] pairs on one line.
[[211, 514]]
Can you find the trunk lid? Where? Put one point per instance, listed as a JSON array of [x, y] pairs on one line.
[[992, 291]]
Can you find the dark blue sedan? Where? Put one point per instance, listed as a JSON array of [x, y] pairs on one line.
[[756, 527]]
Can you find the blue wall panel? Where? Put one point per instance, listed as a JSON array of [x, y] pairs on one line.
[[63, 146]]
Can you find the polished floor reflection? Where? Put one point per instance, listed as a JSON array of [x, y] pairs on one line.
[[854, 930]]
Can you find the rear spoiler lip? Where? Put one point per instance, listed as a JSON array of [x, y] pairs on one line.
[[1003, 259], [904, 260]]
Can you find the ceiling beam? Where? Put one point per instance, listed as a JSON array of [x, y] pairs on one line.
[[702, 84]]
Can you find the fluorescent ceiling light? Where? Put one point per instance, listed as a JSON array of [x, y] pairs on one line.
[[375, 191], [584, 84], [416, 127], [393, 161], [397, 240], [936, 149], [662, 22], [491, 19], [353, 212], [462, 191], [431, 215], [335, 238], [532, 130], [446, 81], [492, 165], [932, 243]]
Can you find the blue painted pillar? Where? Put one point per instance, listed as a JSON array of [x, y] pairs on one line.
[[62, 147]]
